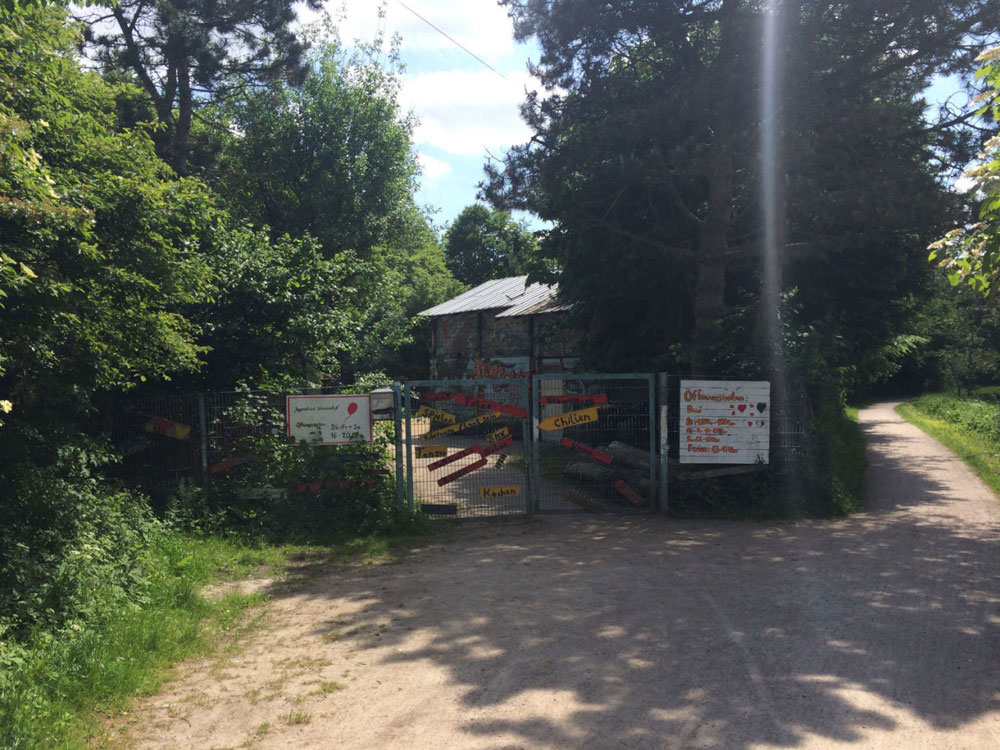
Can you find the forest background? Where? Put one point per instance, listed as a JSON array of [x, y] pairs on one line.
[[193, 197]]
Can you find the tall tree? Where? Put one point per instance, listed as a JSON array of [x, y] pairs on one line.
[[483, 244], [647, 157], [182, 50]]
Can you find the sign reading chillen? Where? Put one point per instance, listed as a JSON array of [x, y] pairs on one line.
[[725, 421], [329, 420]]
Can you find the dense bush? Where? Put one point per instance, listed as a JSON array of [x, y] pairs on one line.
[[971, 414]]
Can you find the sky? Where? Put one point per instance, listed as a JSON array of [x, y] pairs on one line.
[[465, 110]]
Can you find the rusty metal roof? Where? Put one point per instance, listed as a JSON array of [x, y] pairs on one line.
[[508, 295], [537, 298]]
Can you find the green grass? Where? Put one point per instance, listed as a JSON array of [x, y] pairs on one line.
[[56, 687], [847, 462], [966, 426], [56, 690]]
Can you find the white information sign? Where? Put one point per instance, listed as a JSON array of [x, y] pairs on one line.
[[329, 420], [725, 421]]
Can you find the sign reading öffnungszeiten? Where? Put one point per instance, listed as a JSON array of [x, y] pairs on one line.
[[329, 420], [725, 421]]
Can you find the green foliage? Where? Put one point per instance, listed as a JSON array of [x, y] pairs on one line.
[[280, 314], [971, 254], [51, 682], [970, 427], [646, 155], [483, 244], [179, 51]]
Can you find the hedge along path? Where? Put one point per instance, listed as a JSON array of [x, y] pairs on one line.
[[877, 631]]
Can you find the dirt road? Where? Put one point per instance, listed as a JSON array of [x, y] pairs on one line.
[[878, 631]]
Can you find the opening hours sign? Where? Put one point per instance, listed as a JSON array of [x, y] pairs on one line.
[[725, 421], [329, 420]]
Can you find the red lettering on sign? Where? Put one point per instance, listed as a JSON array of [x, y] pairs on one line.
[[597, 398], [453, 457], [586, 449]]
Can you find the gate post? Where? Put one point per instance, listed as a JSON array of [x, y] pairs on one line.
[[203, 430], [409, 446], [526, 441], [536, 486], [664, 396], [397, 412]]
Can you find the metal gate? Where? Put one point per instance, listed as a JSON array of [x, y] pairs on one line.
[[554, 443], [463, 450], [594, 443]]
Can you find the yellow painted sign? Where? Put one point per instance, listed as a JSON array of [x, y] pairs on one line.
[[498, 435], [511, 490], [569, 419], [459, 427], [432, 451], [440, 416]]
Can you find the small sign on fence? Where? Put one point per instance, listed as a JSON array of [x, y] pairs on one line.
[[725, 421], [329, 420]]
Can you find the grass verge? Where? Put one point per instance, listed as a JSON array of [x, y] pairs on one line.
[[55, 687], [979, 451]]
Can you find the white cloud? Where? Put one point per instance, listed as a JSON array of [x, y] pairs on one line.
[[467, 113], [432, 168], [480, 25]]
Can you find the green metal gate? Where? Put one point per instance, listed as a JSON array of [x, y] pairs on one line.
[[594, 443], [462, 448]]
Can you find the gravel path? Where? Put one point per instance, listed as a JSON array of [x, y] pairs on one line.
[[878, 631]]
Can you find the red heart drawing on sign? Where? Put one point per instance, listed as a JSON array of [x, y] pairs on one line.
[[742, 408], [352, 407]]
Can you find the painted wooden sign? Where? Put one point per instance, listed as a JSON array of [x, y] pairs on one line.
[[725, 421], [604, 458], [440, 416], [229, 463], [453, 457], [476, 403], [628, 493], [498, 435], [496, 447], [511, 490], [329, 420], [133, 445], [569, 419], [462, 472], [474, 422], [165, 427], [597, 398], [432, 451]]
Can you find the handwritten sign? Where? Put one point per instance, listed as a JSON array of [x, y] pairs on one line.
[[498, 435], [506, 491], [597, 398], [453, 457], [329, 420], [440, 416], [475, 421], [432, 451], [604, 458], [725, 421], [569, 419]]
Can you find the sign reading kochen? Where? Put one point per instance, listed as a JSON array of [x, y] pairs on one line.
[[725, 421], [329, 420]]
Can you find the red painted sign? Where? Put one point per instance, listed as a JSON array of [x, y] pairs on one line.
[[476, 403], [604, 458], [442, 396], [462, 472], [231, 462], [628, 493], [496, 447], [453, 457], [595, 399]]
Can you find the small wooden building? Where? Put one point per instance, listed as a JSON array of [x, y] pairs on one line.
[[503, 328]]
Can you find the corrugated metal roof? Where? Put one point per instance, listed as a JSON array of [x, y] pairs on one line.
[[537, 298], [496, 293]]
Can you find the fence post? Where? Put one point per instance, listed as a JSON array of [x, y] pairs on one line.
[[535, 399], [397, 417], [532, 478], [664, 396], [203, 432], [409, 446]]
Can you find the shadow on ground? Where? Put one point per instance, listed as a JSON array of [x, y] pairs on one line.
[[653, 633]]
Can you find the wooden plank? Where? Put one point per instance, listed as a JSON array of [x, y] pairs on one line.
[[462, 472], [432, 451], [453, 457], [511, 490], [569, 419], [586, 450], [597, 398], [440, 416]]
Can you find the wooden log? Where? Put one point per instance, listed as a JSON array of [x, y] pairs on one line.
[[587, 472], [729, 471], [628, 456]]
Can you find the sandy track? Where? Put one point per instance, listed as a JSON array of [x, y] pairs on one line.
[[879, 631]]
